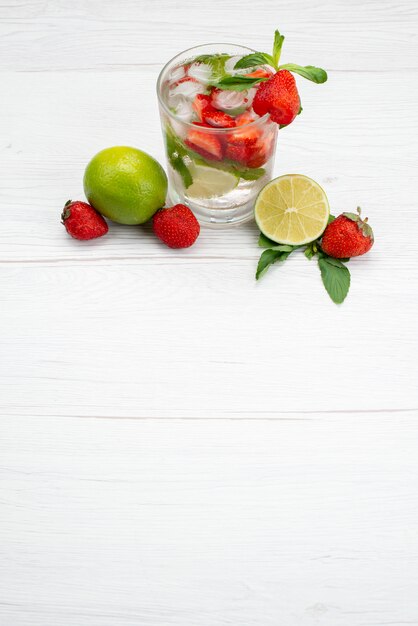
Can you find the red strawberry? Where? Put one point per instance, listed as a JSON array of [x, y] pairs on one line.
[[258, 157], [82, 221], [348, 235], [176, 226], [205, 144], [200, 103], [240, 142], [246, 135], [216, 118], [279, 97], [263, 149], [238, 153]]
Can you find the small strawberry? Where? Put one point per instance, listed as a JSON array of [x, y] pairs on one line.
[[176, 226], [205, 144], [348, 235], [82, 221], [279, 97]]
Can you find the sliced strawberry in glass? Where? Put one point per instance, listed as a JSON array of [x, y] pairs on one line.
[[216, 118], [200, 103], [237, 152], [205, 144]]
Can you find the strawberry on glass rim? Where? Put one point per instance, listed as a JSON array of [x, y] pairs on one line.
[[221, 107], [277, 93]]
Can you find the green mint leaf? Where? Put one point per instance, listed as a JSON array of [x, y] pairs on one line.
[[228, 166], [179, 165], [333, 261], [336, 278], [265, 242], [277, 48], [284, 247], [215, 61], [175, 152], [237, 83], [211, 58], [251, 174], [268, 258], [311, 249], [315, 74], [253, 60]]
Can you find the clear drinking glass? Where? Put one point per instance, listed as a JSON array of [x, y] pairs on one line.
[[217, 172]]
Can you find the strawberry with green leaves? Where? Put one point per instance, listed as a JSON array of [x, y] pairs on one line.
[[344, 237], [276, 95], [348, 235], [279, 97]]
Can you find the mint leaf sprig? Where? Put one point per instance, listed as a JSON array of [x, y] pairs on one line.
[[175, 152], [239, 83], [315, 74], [274, 252], [335, 276], [334, 273]]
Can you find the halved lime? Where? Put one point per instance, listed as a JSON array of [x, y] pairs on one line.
[[210, 182], [292, 209]]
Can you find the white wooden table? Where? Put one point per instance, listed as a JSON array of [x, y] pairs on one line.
[[180, 445]]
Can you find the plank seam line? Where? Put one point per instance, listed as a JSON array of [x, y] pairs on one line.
[[327, 413]]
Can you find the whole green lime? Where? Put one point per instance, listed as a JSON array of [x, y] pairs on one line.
[[125, 184]]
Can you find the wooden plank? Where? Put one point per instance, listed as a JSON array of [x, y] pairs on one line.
[[199, 338], [107, 523], [75, 34]]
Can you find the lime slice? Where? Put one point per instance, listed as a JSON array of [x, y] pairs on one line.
[[292, 209], [209, 182]]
